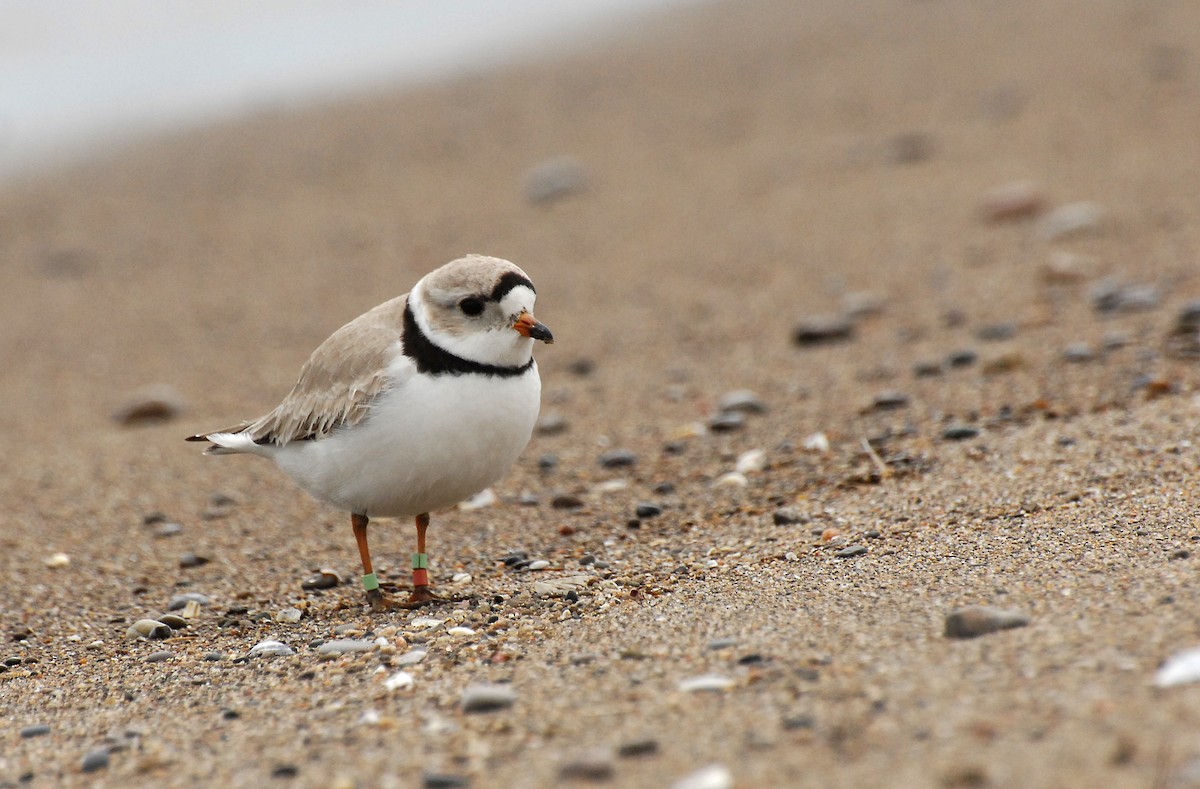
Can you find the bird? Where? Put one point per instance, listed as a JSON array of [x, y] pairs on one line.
[[410, 408]]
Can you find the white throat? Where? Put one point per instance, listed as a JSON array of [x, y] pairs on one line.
[[500, 346]]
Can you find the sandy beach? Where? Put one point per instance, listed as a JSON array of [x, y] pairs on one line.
[[945, 247]]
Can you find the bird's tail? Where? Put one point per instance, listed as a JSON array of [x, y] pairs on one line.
[[232, 444]]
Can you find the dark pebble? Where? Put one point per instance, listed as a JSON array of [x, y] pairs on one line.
[[214, 656], [851, 551], [95, 760], [320, 581], [787, 516], [873, 534], [588, 767], [664, 488], [444, 781], [617, 458], [1109, 296], [978, 620], [515, 558], [727, 421], [995, 332], [547, 462], [155, 518], [12, 661], [927, 369], [742, 400], [636, 748], [823, 329], [181, 600], [587, 559], [159, 657], [675, 447], [192, 560], [38, 730], [801, 721], [582, 367], [886, 401], [648, 510], [963, 358], [959, 432], [285, 771]]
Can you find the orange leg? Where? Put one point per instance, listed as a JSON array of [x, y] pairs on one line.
[[370, 581], [420, 592]]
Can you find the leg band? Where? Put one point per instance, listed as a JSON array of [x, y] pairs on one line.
[[420, 561], [420, 577], [370, 582]]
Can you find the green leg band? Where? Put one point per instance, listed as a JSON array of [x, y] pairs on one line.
[[370, 582], [420, 561]]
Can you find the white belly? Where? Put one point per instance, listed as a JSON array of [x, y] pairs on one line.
[[426, 445]]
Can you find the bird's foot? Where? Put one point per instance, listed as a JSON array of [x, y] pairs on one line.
[[421, 596]]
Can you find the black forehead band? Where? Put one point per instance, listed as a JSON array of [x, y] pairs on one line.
[[507, 282]]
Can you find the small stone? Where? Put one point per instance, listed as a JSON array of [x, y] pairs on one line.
[[444, 781], [823, 329], [927, 369], [959, 432], [345, 646], [722, 643], [1015, 200], [487, 698], [581, 367], [963, 358], [618, 458], [566, 501], [324, 579], [996, 332], [57, 561], [733, 479], [555, 178], [890, 400], [481, 500], [978, 620], [426, 623], [538, 564], [862, 304], [37, 730], [1078, 352], [157, 403], [401, 680], [817, 442], [551, 424], [743, 401], [190, 559], [288, 616], [727, 421], [637, 748], [148, 630], [168, 530], [788, 516], [647, 509], [213, 656], [714, 776], [751, 461], [593, 765], [411, 657], [161, 656], [181, 600], [460, 631], [1066, 268], [547, 462], [706, 683], [1111, 296], [851, 551], [1179, 669], [1072, 219], [173, 621], [285, 771], [271, 648], [95, 760]]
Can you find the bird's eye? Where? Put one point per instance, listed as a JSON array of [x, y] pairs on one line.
[[471, 306]]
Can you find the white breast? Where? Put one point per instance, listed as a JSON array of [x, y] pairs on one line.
[[427, 444]]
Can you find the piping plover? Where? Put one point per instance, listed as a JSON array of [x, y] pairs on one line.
[[411, 407]]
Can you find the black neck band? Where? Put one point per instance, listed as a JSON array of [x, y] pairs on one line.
[[431, 359]]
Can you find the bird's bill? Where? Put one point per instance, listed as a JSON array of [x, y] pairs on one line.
[[529, 326]]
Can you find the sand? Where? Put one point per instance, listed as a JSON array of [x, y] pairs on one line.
[[749, 166]]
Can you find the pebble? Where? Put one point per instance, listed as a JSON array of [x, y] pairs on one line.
[[95, 760], [189, 559], [161, 656], [816, 442], [618, 458], [962, 358], [890, 400], [487, 698], [1014, 200], [996, 332], [742, 400], [324, 579], [288, 615], [647, 509], [1078, 352], [733, 479], [411, 657], [823, 329], [272, 648], [1184, 337], [213, 656], [444, 781], [635, 748], [168, 530], [788, 516], [538, 564], [1065, 268], [425, 623], [401, 680], [977, 620], [957, 432], [851, 551], [727, 421], [551, 424], [714, 776], [566, 501], [862, 303], [481, 500], [181, 600], [148, 630], [706, 682], [1072, 219], [1179, 669], [592, 765], [1113, 296], [344, 646], [460, 631], [722, 643], [156, 403], [57, 561], [37, 730], [547, 461], [751, 461], [555, 178]]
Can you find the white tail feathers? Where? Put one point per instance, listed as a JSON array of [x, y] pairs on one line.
[[237, 443]]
